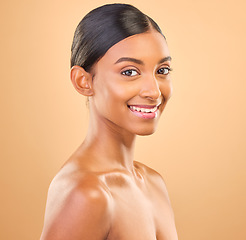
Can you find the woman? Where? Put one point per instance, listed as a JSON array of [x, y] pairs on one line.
[[120, 61]]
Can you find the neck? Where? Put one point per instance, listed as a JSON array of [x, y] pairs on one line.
[[109, 144]]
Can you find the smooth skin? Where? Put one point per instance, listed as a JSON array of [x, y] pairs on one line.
[[101, 193]]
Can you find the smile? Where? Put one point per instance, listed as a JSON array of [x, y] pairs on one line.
[[147, 112], [144, 110]]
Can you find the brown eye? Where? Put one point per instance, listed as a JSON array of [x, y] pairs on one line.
[[129, 73], [164, 70]]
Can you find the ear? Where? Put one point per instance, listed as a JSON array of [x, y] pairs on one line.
[[81, 80]]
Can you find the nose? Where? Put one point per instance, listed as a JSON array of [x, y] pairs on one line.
[[150, 88]]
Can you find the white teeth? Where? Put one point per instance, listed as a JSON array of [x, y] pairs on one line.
[[144, 110], [153, 109]]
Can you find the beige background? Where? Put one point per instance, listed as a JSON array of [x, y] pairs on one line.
[[199, 146]]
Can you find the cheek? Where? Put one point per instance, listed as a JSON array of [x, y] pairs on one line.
[[115, 91], [110, 94], [166, 89]]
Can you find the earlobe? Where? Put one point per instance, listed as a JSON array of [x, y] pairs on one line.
[[81, 80]]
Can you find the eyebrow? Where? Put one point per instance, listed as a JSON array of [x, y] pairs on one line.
[[165, 59], [128, 59]]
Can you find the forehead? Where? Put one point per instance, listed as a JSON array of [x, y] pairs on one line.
[[144, 46]]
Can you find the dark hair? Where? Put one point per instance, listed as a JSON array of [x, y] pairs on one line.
[[102, 28]]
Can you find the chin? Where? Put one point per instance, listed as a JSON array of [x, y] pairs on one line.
[[145, 131]]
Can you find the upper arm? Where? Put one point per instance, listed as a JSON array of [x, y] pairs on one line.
[[82, 212]]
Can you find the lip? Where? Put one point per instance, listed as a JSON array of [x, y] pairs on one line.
[[145, 115], [144, 106]]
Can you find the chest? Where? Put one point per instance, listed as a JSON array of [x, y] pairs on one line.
[[139, 214]]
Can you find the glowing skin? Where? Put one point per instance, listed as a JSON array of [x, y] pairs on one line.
[[101, 193], [133, 73]]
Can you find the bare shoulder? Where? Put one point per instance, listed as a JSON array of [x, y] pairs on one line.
[[78, 207], [153, 178], [148, 172]]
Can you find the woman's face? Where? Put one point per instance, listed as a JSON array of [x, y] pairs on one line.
[[132, 83]]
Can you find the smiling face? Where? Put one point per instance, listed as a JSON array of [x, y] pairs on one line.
[[132, 84]]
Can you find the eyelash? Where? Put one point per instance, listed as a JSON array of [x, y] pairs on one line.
[[133, 70], [129, 71], [166, 68]]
